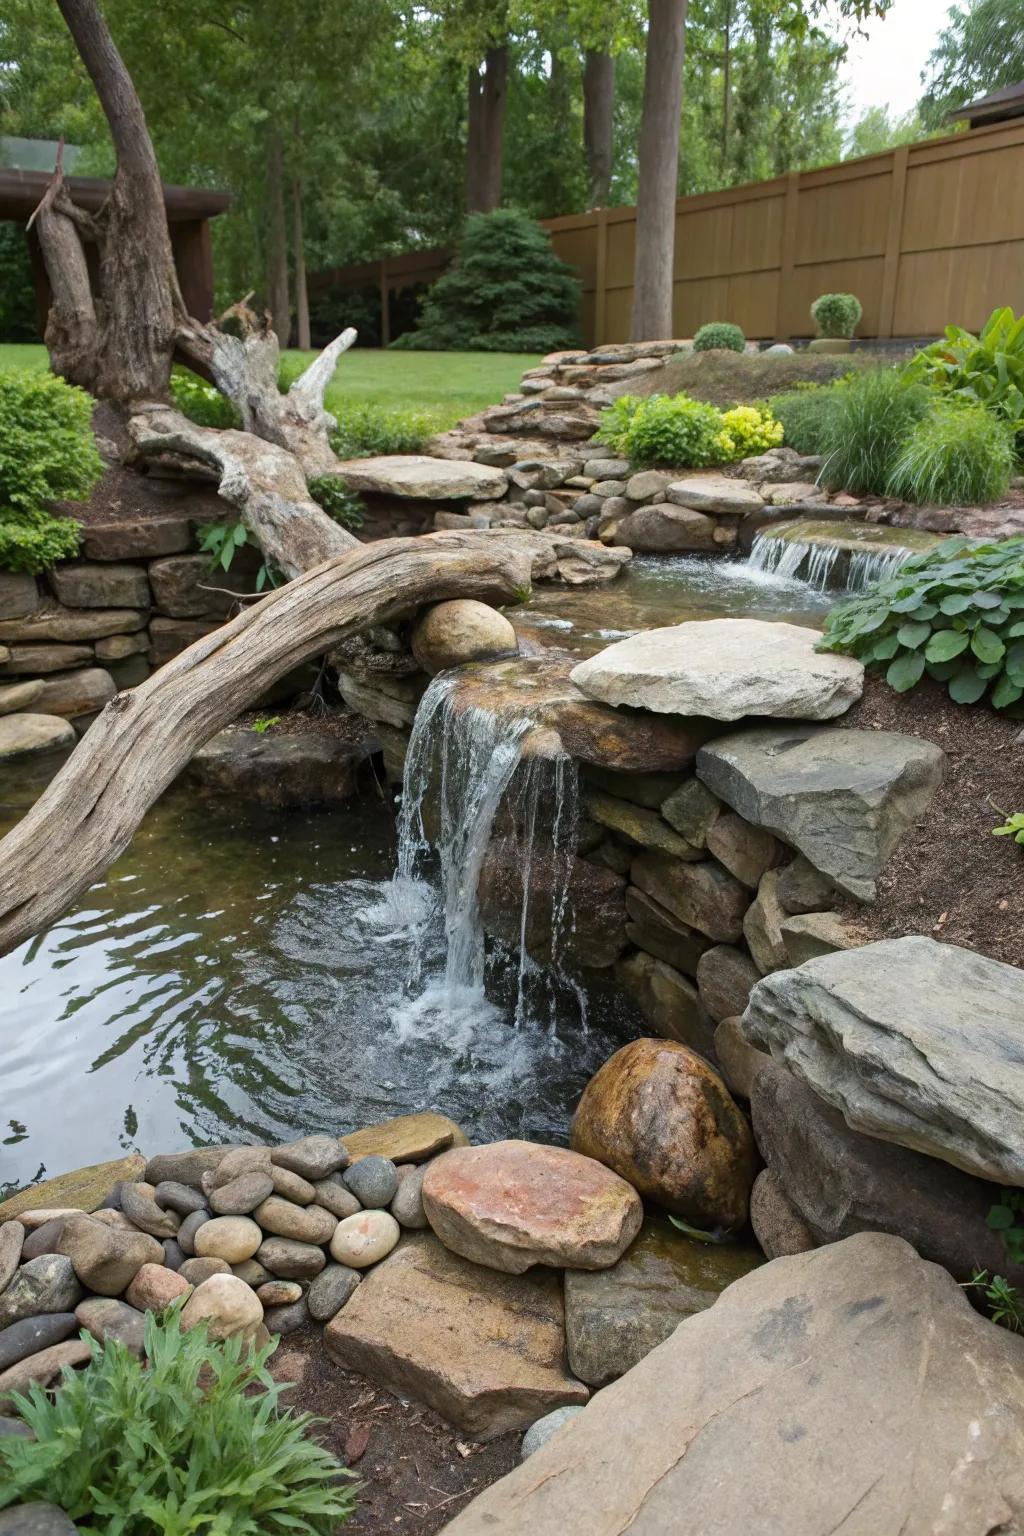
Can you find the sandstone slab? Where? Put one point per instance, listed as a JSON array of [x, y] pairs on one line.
[[765, 1414], [512, 1204], [843, 798], [662, 1118], [22, 734], [34, 660], [668, 1000], [654, 928], [484, 1349], [614, 1317], [640, 826], [281, 771], [421, 477], [726, 976], [79, 584], [723, 669], [811, 934], [52, 621], [15, 696], [715, 493], [19, 594], [914, 1042], [704, 896], [738, 1061]]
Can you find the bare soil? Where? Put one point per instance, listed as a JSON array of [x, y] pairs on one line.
[[949, 878], [416, 1471]]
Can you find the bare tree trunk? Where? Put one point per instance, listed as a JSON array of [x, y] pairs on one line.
[[726, 91], [302, 340], [599, 123], [142, 740], [486, 131], [277, 241], [659, 170]]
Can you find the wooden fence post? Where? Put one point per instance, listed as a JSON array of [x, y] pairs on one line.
[[787, 263], [385, 308], [601, 277], [893, 240]]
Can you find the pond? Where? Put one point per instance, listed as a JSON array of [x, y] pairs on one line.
[[254, 975]]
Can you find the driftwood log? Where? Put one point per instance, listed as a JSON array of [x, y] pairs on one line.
[[143, 739]]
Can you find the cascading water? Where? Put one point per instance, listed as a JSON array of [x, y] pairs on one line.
[[816, 563]]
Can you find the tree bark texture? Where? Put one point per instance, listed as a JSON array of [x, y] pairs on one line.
[[302, 338], [486, 131], [599, 123], [143, 739], [277, 241], [659, 170]]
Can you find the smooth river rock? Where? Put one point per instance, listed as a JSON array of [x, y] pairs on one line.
[[662, 1118], [46, 1284], [416, 475], [44, 1368], [512, 1204], [614, 1317], [462, 630], [24, 733], [843, 798], [226, 1304], [32, 1334], [724, 669], [364, 1239], [106, 1318], [913, 1041], [106, 1258], [373, 1180], [35, 1519], [704, 896], [311, 1157], [484, 1349], [232, 1238], [851, 1389], [307, 1223]]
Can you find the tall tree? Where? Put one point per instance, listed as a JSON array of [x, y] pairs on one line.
[[599, 123], [980, 49], [277, 238], [659, 170], [487, 94]]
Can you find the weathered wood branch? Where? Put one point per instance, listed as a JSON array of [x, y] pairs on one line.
[[264, 481], [144, 738]]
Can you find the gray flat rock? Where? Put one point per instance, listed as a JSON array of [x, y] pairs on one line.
[[23, 733], [913, 1041], [416, 475], [843, 798]]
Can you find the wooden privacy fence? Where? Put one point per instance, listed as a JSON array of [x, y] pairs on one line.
[[925, 235]]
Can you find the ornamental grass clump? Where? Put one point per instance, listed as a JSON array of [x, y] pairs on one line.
[[47, 453], [955, 614], [957, 455], [863, 432], [804, 414], [177, 1444]]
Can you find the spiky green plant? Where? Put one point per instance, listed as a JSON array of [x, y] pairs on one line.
[[863, 432], [959, 455], [176, 1444]]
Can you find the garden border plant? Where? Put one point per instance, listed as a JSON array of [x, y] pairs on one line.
[[719, 335], [837, 315], [47, 453], [683, 433]]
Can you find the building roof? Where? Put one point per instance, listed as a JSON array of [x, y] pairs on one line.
[[35, 154], [20, 192], [996, 107]]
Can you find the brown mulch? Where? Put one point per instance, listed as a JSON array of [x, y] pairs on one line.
[[417, 1472], [307, 722], [949, 878]]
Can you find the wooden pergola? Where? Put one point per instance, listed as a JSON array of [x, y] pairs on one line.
[[189, 211]]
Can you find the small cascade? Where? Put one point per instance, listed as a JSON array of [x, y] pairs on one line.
[[467, 786], [820, 564]]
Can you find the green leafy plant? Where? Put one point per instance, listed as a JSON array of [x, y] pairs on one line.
[[47, 448], [1012, 826], [264, 724], [837, 314], [32, 541], [719, 335], [189, 1442], [333, 495], [987, 369], [864, 430], [955, 614], [957, 455], [663, 429], [748, 429], [507, 292], [1004, 1218], [222, 541], [363, 431], [804, 413], [1005, 1303], [202, 402]]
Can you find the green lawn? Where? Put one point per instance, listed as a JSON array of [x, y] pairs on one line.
[[442, 386]]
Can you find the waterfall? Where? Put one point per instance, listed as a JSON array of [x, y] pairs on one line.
[[464, 766], [815, 563]]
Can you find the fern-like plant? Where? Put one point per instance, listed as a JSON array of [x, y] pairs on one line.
[[178, 1444]]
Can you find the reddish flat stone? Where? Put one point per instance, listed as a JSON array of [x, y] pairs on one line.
[[512, 1204]]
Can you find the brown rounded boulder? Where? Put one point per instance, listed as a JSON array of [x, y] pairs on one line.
[[460, 630], [662, 1118], [511, 1204]]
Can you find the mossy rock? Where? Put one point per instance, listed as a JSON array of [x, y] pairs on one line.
[[85, 1189]]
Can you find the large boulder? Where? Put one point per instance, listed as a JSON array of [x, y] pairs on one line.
[[839, 1182], [913, 1041], [416, 475], [512, 1204], [461, 630], [850, 1389], [614, 1317], [484, 1349], [724, 669], [281, 771], [659, 1115], [843, 798], [663, 529]]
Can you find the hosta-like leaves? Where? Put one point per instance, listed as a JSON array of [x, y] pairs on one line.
[[967, 687], [946, 643], [913, 635], [905, 671], [986, 644]]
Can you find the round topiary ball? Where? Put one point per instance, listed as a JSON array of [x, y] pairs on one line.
[[720, 335], [837, 315]]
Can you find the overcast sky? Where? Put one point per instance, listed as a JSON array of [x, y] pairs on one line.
[[884, 67]]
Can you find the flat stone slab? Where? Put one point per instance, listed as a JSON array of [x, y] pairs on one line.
[[424, 478], [512, 1204], [843, 798], [280, 771], [485, 1350], [850, 1389], [715, 493], [913, 1041], [406, 1138], [724, 669], [85, 1189], [614, 1317], [24, 733]]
